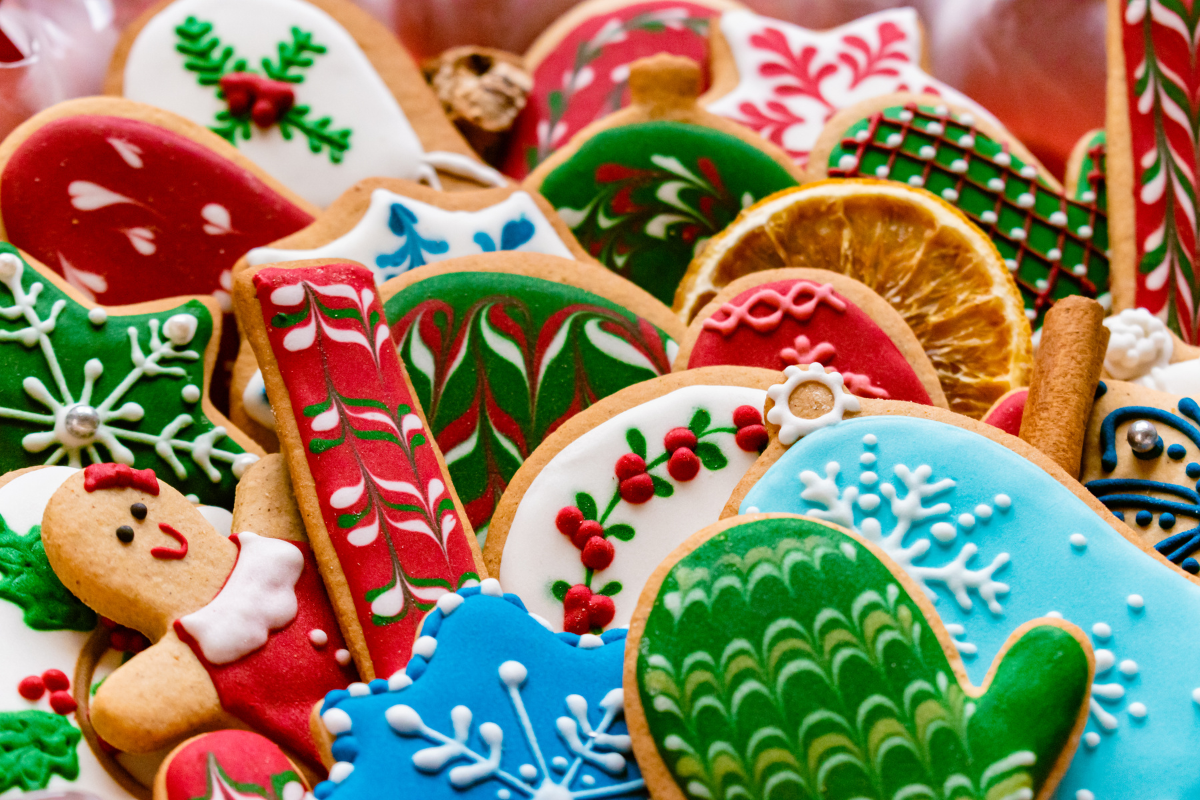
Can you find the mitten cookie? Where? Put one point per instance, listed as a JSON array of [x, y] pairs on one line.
[[124, 384], [387, 529], [243, 628], [776, 656], [779, 317], [580, 66], [528, 713], [619, 486], [996, 534], [228, 764], [503, 349], [315, 92], [645, 188], [1054, 241], [944, 277], [131, 203]]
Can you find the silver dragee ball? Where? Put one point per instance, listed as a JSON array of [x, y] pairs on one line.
[[1142, 436], [81, 421]]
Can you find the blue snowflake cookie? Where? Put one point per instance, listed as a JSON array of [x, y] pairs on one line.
[[492, 705]]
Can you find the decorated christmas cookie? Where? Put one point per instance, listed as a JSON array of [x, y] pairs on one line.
[[127, 384], [619, 486], [503, 349], [803, 316], [996, 535], [1143, 350], [580, 66], [1006, 412], [1055, 243], [785, 81], [777, 656], [646, 187], [386, 526], [315, 92], [1152, 69], [492, 705], [131, 203], [229, 764], [243, 628]]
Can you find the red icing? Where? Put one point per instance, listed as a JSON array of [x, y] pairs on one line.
[[56, 680], [176, 224], [598, 93], [777, 324], [1007, 412], [119, 476], [244, 758], [62, 702], [275, 688], [337, 361], [265, 99], [167, 552], [31, 688]]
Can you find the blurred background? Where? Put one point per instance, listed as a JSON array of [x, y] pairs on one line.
[[1037, 64]]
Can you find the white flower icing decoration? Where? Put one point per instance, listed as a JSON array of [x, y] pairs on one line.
[[791, 427]]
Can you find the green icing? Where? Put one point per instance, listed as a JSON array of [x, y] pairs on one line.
[[34, 747], [958, 163], [499, 361], [27, 580], [783, 660], [644, 198], [126, 368]]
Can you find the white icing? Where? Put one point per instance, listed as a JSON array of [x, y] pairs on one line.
[[791, 427], [219, 518], [259, 597], [24, 498], [536, 554], [341, 84], [255, 402], [1138, 342], [372, 237]]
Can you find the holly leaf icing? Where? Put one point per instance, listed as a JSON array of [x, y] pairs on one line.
[[34, 747], [27, 580]]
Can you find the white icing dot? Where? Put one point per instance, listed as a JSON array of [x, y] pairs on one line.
[[870, 440], [1025, 200], [868, 502], [966, 520], [588, 780], [194, 499], [1196, 695], [97, 316], [966, 140], [1028, 171], [861, 136], [847, 162], [996, 184], [1128, 667], [318, 637], [958, 165], [949, 194], [1058, 218], [1054, 614], [1091, 738], [882, 171], [866, 458], [1079, 269], [943, 531], [916, 180], [342, 657], [1041, 283], [1137, 710], [503, 794], [180, 329], [292, 790], [449, 602], [191, 393], [905, 115], [1003, 159], [1030, 314], [1018, 234], [1002, 501], [752, 510], [868, 478], [967, 119], [935, 128], [927, 152], [1135, 601], [1078, 540], [1084, 794], [358, 689], [1102, 630], [1084, 231], [590, 641], [894, 139], [491, 588], [340, 771], [528, 771], [1011, 264], [988, 216], [425, 647], [1088, 197], [1104, 661], [336, 721], [983, 512], [398, 681]]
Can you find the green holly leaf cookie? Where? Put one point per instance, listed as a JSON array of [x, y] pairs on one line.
[[34, 747], [27, 580], [782, 659]]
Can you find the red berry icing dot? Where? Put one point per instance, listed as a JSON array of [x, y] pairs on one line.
[[576, 616], [601, 610], [31, 688], [752, 437], [637, 489], [56, 680], [597, 553], [677, 438], [62, 702], [587, 529], [568, 520], [744, 416], [630, 465], [683, 465]]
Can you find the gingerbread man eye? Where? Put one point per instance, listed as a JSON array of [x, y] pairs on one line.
[[138, 510], [125, 533]]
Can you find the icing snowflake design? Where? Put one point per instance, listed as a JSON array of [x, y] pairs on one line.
[[75, 424], [906, 496], [1107, 693]]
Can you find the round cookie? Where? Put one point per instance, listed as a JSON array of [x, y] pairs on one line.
[[228, 764], [618, 486], [774, 318]]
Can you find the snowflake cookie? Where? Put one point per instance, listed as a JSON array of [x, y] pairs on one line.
[[465, 718]]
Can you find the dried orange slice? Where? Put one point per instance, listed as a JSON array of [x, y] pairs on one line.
[[918, 252]]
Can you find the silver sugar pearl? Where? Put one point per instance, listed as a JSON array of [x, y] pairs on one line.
[[81, 421], [1142, 436]]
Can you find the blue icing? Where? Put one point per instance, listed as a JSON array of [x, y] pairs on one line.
[[455, 730], [1029, 563]]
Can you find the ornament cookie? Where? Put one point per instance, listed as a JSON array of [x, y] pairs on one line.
[[125, 384], [761, 626], [131, 203], [580, 66], [1054, 242], [378, 504], [996, 535], [785, 81], [243, 628], [944, 277], [492, 705], [228, 764], [645, 188], [315, 92], [503, 349], [779, 317], [619, 486]]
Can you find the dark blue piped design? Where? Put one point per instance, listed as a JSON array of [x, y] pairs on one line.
[[1108, 429], [1101, 390], [1176, 451]]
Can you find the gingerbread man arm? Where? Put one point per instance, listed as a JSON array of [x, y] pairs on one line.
[[157, 698]]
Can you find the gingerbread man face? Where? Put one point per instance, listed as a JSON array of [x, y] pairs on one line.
[[141, 554]]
